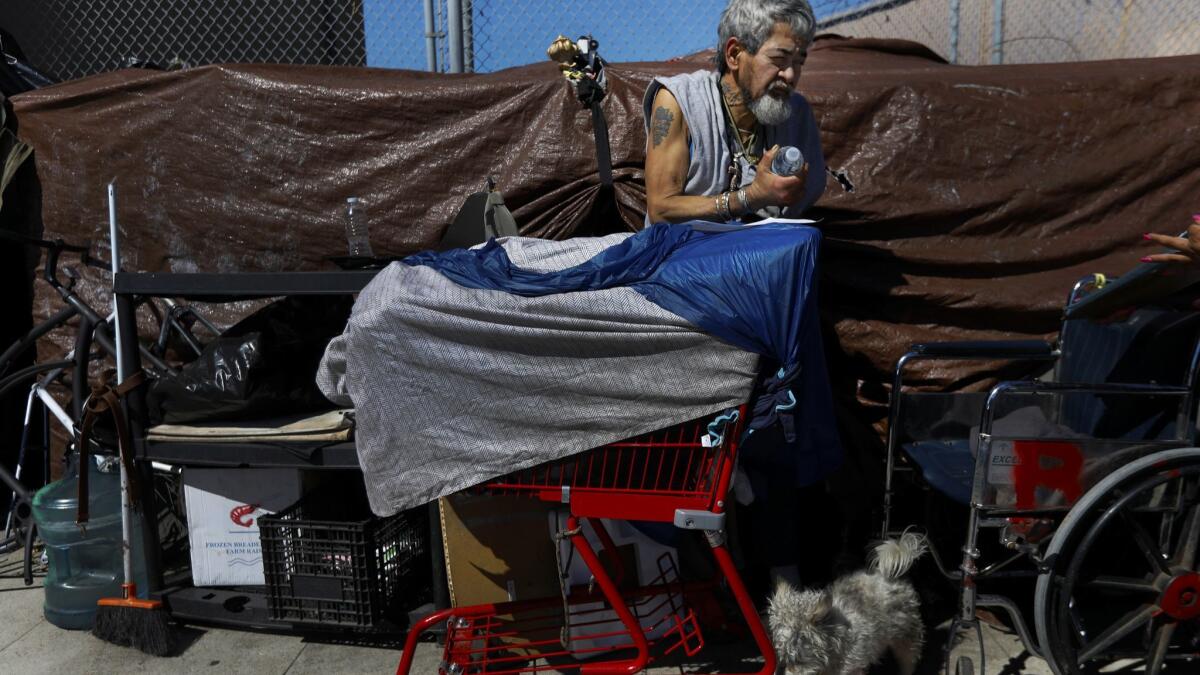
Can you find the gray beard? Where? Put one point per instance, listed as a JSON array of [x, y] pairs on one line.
[[769, 110]]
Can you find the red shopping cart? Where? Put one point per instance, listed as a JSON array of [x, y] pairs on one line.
[[678, 475]]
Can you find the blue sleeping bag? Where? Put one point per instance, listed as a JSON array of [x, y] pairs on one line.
[[753, 287]]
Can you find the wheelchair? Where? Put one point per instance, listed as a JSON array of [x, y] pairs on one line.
[[1086, 471]]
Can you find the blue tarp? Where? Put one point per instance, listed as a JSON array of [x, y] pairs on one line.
[[752, 287]]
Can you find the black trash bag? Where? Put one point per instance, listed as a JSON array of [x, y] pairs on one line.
[[264, 366]]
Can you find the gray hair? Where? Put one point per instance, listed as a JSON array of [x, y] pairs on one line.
[[751, 22]]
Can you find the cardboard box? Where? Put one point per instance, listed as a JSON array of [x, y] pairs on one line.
[[223, 507], [497, 549], [501, 548]]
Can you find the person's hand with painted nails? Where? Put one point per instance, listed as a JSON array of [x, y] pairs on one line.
[[1185, 249]]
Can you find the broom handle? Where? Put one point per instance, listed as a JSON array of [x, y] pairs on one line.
[[126, 524]]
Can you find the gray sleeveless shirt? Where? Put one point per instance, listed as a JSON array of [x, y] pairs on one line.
[[709, 152]]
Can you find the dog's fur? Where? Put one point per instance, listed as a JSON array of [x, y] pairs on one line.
[[847, 627]]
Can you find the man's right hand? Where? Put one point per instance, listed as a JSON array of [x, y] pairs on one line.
[[769, 189]]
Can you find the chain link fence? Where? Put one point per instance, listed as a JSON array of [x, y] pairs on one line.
[[627, 31], [976, 32], [73, 38]]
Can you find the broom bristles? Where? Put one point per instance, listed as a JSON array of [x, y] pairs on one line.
[[147, 630]]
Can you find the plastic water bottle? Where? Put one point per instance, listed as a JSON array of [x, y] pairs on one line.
[[84, 564], [788, 161], [357, 236]]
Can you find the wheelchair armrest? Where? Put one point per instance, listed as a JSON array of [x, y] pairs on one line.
[[986, 349], [1098, 388], [1038, 350]]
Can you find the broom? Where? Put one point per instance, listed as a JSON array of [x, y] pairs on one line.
[[129, 621]]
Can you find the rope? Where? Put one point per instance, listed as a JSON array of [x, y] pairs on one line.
[[564, 635], [106, 399], [716, 428]]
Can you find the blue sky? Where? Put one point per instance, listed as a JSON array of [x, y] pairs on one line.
[[516, 32]]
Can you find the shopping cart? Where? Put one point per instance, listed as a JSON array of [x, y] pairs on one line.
[[679, 475]]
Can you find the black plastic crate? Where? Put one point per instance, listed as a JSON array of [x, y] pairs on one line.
[[329, 562]]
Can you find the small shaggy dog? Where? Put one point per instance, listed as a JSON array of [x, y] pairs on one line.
[[847, 627]]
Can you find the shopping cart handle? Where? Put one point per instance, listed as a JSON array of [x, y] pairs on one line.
[[695, 519]]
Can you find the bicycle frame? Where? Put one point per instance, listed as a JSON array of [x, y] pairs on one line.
[[92, 329]]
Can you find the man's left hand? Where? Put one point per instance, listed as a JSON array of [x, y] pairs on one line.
[[769, 189]]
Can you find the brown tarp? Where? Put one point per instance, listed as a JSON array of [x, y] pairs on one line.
[[981, 193]]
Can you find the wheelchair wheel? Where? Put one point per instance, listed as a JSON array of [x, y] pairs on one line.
[[1122, 579]]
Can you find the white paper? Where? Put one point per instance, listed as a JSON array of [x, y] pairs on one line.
[[223, 508]]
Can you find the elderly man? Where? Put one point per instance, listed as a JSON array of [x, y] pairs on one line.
[[712, 135]]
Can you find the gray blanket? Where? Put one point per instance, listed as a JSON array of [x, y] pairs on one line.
[[453, 386]]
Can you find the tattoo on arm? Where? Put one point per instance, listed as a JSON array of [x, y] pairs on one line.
[[661, 124]]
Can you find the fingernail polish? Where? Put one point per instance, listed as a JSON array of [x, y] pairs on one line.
[[1147, 259], [1145, 236]]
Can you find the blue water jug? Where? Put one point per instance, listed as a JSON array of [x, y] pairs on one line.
[[84, 564]]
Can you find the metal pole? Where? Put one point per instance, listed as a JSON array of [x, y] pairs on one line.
[[468, 14], [126, 513], [430, 38], [997, 31], [115, 254], [954, 20], [454, 28]]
